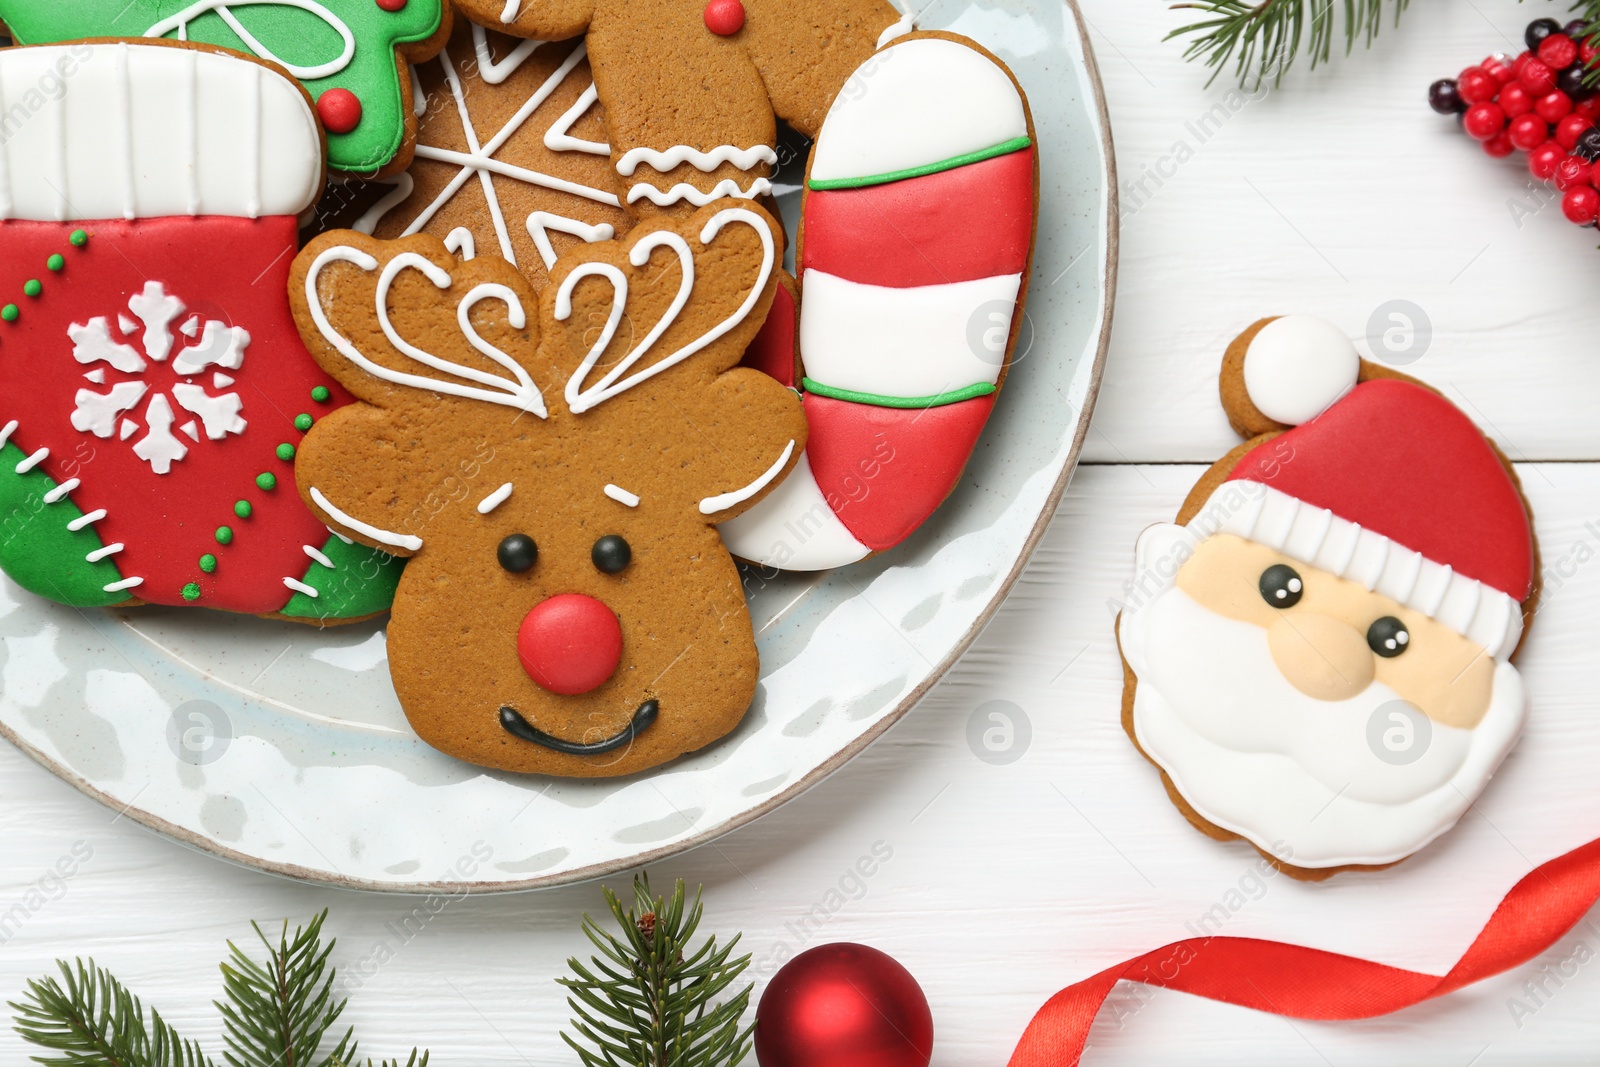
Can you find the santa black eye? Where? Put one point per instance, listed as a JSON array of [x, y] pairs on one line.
[[518, 553], [1388, 637], [1281, 586], [611, 554]]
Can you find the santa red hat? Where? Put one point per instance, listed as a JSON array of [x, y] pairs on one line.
[[1384, 482]]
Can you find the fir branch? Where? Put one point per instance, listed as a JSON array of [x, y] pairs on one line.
[[649, 999], [1263, 38], [90, 1020]]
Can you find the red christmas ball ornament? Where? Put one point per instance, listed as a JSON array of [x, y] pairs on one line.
[[1483, 121], [724, 17], [340, 110], [843, 1006]]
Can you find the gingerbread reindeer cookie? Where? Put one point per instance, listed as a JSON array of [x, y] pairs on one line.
[[1318, 655], [555, 467]]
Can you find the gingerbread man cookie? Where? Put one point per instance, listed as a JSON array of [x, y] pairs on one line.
[[680, 142], [1319, 654], [353, 57], [554, 466], [153, 387]]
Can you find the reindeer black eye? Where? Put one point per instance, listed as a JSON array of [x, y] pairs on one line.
[[1281, 586], [611, 554], [518, 553], [1388, 637]]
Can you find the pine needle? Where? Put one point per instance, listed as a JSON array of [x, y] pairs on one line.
[[649, 999], [88, 1019], [1262, 39]]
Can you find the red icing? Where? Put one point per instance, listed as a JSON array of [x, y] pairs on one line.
[[1404, 462], [570, 644], [340, 110], [773, 350], [955, 226], [724, 17], [227, 269], [885, 470]]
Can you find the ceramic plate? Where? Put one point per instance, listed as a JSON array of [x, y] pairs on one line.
[[284, 749]]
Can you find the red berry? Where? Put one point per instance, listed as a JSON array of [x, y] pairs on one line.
[[1586, 52], [724, 17], [1528, 132], [1590, 108], [340, 110], [1518, 63], [1477, 85], [1499, 67], [1499, 146], [1557, 51], [1483, 121], [1569, 129], [1515, 100], [1581, 204], [1537, 78], [1574, 171], [1543, 161], [1553, 107]]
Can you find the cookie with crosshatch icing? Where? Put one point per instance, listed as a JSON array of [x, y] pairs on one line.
[[153, 387], [1318, 655], [352, 56], [554, 465]]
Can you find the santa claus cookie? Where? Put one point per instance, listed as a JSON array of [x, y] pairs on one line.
[[1318, 655], [352, 57], [153, 387], [554, 465]]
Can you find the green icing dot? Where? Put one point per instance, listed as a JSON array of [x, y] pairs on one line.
[[79, 238], [208, 563], [286, 452], [303, 422], [56, 262], [242, 509], [224, 535], [10, 313], [321, 394], [191, 591], [33, 287], [267, 481]]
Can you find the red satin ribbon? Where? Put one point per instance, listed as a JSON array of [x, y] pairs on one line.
[[1307, 983]]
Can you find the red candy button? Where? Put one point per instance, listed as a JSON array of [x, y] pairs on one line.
[[340, 110], [724, 17], [570, 644], [392, 5]]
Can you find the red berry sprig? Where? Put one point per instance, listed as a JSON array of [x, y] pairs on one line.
[[1537, 102]]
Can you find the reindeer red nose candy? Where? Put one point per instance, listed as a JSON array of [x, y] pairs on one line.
[[1318, 655], [555, 467]]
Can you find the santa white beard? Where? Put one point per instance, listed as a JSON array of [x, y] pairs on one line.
[[1255, 756]]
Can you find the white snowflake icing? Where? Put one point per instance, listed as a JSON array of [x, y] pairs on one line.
[[130, 348]]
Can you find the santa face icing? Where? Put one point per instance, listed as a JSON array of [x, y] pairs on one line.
[[1321, 654]]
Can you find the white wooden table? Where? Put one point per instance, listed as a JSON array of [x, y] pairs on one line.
[[1334, 196]]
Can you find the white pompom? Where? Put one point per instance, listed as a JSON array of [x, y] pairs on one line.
[[1297, 367]]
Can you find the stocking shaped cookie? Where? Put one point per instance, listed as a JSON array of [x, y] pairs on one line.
[[554, 466], [1318, 655]]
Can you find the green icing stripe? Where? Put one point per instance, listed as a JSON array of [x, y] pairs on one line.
[[36, 548], [362, 582], [1016, 144], [971, 392]]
